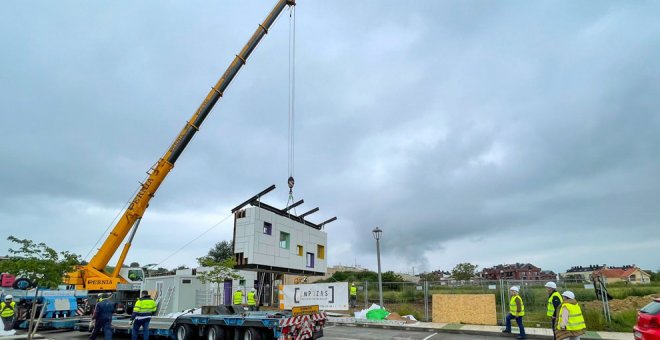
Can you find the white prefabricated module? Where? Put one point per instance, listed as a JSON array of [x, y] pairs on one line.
[[272, 240]]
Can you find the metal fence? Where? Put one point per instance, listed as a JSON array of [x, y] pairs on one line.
[[416, 298]]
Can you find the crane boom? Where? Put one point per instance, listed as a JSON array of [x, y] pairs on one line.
[[92, 276]]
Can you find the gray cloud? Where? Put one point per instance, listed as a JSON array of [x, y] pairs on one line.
[[455, 127]]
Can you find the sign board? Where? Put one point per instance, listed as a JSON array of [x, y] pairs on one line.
[[589, 286], [304, 310], [327, 296], [419, 288], [57, 293], [492, 287]]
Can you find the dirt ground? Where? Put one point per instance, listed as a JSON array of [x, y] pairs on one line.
[[616, 305]]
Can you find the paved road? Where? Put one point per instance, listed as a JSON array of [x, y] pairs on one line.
[[362, 333], [331, 333]]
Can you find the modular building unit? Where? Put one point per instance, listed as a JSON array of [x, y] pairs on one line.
[[184, 290], [178, 292], [268, 239]]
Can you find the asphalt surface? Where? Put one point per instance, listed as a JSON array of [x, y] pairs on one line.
[[331, 333]]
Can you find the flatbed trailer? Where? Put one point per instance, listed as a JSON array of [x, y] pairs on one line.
[[247, 326]]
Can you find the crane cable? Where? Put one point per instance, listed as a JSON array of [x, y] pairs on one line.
[[193, 240], [292, 97], [111, 223]]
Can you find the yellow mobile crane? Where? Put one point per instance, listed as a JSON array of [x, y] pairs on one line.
[[93, 276]]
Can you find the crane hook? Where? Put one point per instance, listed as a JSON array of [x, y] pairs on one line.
[[292, 182]]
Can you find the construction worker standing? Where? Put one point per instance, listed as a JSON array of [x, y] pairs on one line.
[[102, 317], [353, 295], [554, 301], [8, 308], [144, 309], [570, 322], [251, 300], [238, 297], [516, 311]]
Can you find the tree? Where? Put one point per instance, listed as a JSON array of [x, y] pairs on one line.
[[390, 276], [655, 276], [38, 262], [219, 272], [464, 271], [220, 252]]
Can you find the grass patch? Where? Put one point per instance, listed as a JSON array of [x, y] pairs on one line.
[[623, 321]]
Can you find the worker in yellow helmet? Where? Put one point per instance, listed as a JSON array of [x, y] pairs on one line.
[[570, 322], [8, 310], [353, 292], [252, 300], [516, 311], [238, 297], [144, 309]]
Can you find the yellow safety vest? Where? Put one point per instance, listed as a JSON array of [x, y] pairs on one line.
[[251, 300], [353, 290], [7, 310], [238, 297], [551, 307], [145, 306], [513, 308], [575, 318]]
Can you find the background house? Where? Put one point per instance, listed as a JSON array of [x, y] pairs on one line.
[[516, 271], [630, 274], [580, 273]]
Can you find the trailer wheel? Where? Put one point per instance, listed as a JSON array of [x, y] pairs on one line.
[[216, 333], [183, 332], [252, 334]]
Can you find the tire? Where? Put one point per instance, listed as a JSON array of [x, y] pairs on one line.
[[251, 334], [22, 284], [216, 333], [183, 332]]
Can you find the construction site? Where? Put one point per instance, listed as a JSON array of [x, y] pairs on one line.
[[272, 272]]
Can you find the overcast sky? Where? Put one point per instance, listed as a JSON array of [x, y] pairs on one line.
[[468, 131]]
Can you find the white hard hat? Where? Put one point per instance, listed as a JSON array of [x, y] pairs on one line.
[[515, 288], [568, 294], [252, 289], [551, 285], [8, 297]]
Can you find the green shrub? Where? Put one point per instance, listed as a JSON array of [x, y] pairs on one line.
[[410, 309]]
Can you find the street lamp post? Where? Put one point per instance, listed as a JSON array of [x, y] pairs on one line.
[[377, 232]]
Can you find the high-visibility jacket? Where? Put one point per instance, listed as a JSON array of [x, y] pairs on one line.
[[145, 306], [238, 297], [353, 291], [575, 318], [513, 307], [251, 299], [7, 309], [551, 307]]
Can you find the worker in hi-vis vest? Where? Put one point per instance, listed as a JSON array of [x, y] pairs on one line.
[[252, 300], [8, 308], [144, 309], [238, 297], [554, 301], [353, 294], [516, 311], [570, 322]]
